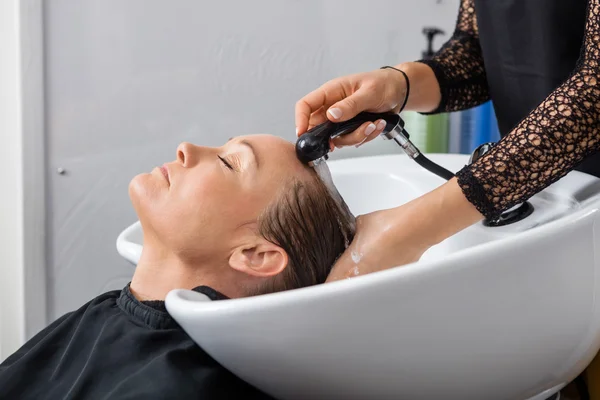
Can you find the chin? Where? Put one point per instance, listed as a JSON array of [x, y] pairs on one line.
[[135, 187], [146, 194], [139, 189]]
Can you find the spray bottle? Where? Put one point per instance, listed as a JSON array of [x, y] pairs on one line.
[[428, 132]]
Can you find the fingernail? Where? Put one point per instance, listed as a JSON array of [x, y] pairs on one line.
[[381, 124], [296, 131], [335, 112], [370, 129]]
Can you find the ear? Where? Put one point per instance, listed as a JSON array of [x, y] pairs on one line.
[[262, 259]]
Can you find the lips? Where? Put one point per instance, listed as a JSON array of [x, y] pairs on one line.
[[165, 173]]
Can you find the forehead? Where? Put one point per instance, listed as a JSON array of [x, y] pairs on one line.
[[277, 154]]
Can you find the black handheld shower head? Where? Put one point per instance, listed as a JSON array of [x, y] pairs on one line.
[[313, 146]]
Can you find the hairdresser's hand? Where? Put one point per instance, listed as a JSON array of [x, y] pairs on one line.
[[343, 98], [383, 240], [398, 236]]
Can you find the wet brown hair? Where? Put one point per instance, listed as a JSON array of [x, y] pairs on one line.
[[312, 227]]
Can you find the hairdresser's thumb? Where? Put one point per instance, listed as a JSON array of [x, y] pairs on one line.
[[349, 107]]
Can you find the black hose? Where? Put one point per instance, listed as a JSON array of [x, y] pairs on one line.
[[433, 167]]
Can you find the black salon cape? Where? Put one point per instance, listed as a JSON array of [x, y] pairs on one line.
[[115, 347]]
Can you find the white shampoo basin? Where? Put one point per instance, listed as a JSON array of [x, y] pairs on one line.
[[491, 313]]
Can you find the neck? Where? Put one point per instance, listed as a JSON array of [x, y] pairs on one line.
[[159, 271]]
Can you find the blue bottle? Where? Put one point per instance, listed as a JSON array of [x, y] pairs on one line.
[[486, 125], [472, 127]]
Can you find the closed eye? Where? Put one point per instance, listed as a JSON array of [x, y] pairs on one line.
[[227, 164]]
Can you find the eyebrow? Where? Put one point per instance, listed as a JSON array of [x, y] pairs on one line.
[[252, 149]]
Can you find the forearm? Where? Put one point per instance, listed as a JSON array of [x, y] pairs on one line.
[[398, 236], [451, 212], [437, 215]]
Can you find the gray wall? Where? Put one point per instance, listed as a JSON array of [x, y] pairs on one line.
[[126, 81]]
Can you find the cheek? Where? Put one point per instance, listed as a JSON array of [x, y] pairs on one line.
[[201, 212]]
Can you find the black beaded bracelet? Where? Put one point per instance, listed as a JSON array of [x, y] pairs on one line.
[[407, 86]]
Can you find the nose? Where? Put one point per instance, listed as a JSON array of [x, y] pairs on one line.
[[187, 154]]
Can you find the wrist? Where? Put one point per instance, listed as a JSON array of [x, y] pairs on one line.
[[425, 94], [396, 87]]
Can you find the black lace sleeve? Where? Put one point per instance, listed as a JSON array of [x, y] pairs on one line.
[[458, 65], [555, 137]]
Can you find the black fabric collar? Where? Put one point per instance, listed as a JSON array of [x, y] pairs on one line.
[[210, 293], [153, 313]]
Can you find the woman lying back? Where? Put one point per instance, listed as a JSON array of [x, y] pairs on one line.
[[243, 219]]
